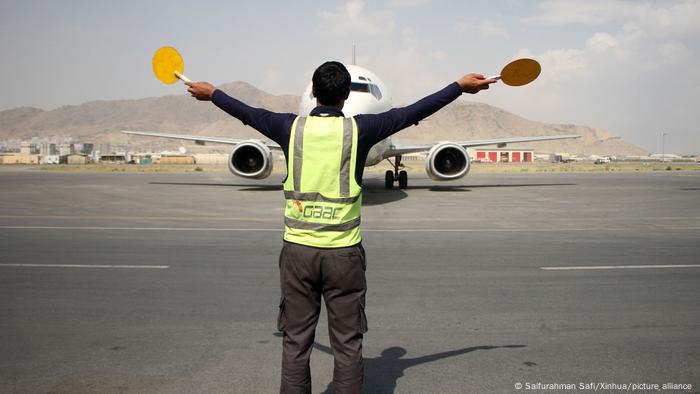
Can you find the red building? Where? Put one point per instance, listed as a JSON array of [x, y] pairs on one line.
[[504, 155]]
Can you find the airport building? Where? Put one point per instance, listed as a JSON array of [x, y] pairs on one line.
[[141, 158], [19, 158], [64, 149], [114, 158], [77, 158], [214, 158], [29, 148], [176, 159], [49, 159], [87, 149], [503, 155], [48, 148], [105, 148]]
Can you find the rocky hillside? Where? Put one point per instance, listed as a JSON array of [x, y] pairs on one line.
[[101, 121], [465, 120]]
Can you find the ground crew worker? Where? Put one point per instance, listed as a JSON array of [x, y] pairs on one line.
[[322, 254]]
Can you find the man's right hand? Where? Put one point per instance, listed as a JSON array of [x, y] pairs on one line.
[[474, 83], [202, 91]]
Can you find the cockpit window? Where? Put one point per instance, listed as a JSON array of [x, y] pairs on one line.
[[366, 88], [359, 87], [374, 89]]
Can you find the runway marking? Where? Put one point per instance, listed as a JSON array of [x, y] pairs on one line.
[[155, 267], [517, 230], [396, 230], [141, 218], [273, 219], [136, 228], [616, 267]]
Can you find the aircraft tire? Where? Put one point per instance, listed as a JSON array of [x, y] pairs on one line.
[[403, 180], [389, 179]]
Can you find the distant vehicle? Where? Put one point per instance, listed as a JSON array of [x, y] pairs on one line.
[[602, 160], [561, 158]]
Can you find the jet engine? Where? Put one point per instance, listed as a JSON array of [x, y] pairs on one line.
[[251, 159], [447, 161]]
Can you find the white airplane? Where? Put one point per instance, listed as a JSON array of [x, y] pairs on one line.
[[252, 158]]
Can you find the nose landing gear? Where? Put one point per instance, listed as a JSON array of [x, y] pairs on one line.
[[392, 176]]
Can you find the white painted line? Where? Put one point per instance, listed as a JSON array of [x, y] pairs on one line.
[[367, 230], [136, 228], [153, 218], [156, 267], [645, 219], [617, 267], [520, 230]]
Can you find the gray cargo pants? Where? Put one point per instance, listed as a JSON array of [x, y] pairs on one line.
[[306, 274]]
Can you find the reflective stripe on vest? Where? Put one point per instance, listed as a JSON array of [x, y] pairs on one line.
[[323, 199]]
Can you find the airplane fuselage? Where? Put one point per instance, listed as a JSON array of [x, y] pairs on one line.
[[368, 95]]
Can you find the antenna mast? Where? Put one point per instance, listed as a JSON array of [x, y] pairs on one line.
[[353, 55]]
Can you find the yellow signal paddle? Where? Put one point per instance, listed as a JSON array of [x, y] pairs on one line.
[[519, 72], [169, 66]]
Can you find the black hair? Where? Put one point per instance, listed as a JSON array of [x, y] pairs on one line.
[[331, 83]]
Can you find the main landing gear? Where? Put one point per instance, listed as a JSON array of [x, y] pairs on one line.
[[392, 176]]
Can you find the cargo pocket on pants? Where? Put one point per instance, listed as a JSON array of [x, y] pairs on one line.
[[363, 319], [281, 317]]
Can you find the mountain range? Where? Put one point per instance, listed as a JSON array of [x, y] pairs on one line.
[[101, 121]]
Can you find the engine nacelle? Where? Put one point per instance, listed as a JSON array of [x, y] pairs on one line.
[[447, 161], [251, 159]]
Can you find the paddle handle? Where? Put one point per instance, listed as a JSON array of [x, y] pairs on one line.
[[182, 77], [496, 77]]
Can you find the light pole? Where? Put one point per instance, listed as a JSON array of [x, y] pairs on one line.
[[663, 146]]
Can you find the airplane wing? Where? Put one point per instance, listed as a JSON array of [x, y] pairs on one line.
[[198, 139], [500, 142]]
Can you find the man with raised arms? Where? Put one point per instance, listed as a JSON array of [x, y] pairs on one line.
[[322, 253]]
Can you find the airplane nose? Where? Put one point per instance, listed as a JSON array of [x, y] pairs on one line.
[[352, 110]]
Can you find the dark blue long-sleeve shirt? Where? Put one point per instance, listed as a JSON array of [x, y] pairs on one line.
[[371, 128]]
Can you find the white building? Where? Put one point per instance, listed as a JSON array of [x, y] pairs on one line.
[[49, 159]]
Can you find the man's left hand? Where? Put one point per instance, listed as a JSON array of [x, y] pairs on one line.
[[474, 83], [202, 91]]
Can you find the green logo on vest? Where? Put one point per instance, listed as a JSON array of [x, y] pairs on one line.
[[321, 212]]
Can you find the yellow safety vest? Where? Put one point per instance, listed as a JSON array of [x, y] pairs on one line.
[[323, 199]]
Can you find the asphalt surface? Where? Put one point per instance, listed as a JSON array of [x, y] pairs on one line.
[[458, 301]]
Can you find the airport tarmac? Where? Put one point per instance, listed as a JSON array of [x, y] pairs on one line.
[[168, 283]]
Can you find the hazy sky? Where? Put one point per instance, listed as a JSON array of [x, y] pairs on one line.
[[632, 67]]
